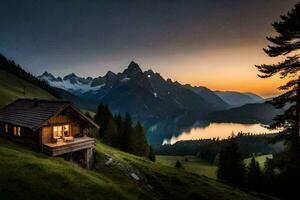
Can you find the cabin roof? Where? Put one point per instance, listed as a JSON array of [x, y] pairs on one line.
[[33, 113]]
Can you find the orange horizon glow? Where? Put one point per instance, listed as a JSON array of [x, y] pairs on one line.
[[218, 130], [227, 69]]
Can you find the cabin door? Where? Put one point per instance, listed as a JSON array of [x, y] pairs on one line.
[[47, 134]]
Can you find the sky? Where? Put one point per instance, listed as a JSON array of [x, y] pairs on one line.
[[213, 43]]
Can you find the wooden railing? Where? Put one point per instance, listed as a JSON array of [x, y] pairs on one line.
[[56, 149]]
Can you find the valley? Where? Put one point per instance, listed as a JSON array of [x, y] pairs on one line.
[[149, 100], [145, 93]]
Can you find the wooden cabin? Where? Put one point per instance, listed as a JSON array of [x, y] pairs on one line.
[[56, 128]]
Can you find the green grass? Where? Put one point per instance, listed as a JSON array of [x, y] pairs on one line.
[[260, 159], [194, 165], [167, 182], [29, 175], [25, 174], [12, 88], [200, 167]]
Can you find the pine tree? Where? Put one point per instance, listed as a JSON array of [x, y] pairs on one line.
[[118, 132], [126, 134], [254, 175], [269, 176], [141, 144], [102, 118], [111, 134], [231, 167], [151, 154], [287, 44]]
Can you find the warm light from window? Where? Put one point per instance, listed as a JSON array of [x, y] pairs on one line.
[[57, 131], [17, 131], [6, 128], [66, 131]]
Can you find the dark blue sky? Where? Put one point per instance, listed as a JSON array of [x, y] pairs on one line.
[[89, 37]]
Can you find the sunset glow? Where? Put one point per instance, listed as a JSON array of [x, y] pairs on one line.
[[218, 130], [203, 43]]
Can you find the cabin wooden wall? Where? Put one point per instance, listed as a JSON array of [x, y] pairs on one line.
[[46, 134], [2, 129], [76, 129], [47, 131], [27, 137], [60, 119]]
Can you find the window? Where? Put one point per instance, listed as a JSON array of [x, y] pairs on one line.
[[57, 131], [6, 128], [66, 130], [61, 131], [17, 131]]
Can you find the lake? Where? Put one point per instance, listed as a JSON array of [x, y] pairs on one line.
[[214, 130]]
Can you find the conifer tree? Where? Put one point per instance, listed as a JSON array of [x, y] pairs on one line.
[[126, 134], [102, 118], [231, 167], [269, 176], [254, 175], [287, 44], [111, 134], [120, 133], [142, 147], [152, 154]]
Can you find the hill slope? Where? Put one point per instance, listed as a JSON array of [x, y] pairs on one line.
[[12, 88], [250, 113], [25, 174]]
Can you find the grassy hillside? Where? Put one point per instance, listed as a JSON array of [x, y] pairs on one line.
[[194, 165], [260, 159], [25, 174], [200, 167], [12, 88]]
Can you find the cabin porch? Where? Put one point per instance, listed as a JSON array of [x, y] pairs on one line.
[[83, 145]]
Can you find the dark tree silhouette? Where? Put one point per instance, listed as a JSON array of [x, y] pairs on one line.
[[152, 154], [254, 175], [178, 164], [287, 164], [120, 133], [102, 117], [287, 44], [231, 167]]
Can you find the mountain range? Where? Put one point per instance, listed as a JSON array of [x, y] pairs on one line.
[[146, 94], [237, 99], [164, 107]]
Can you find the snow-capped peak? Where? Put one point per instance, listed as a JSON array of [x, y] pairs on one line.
[[71, 83]]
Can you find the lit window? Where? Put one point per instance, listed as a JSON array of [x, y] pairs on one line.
[[15, 130], [6, 128], [57, 131], [66, 131], [19, 131]]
